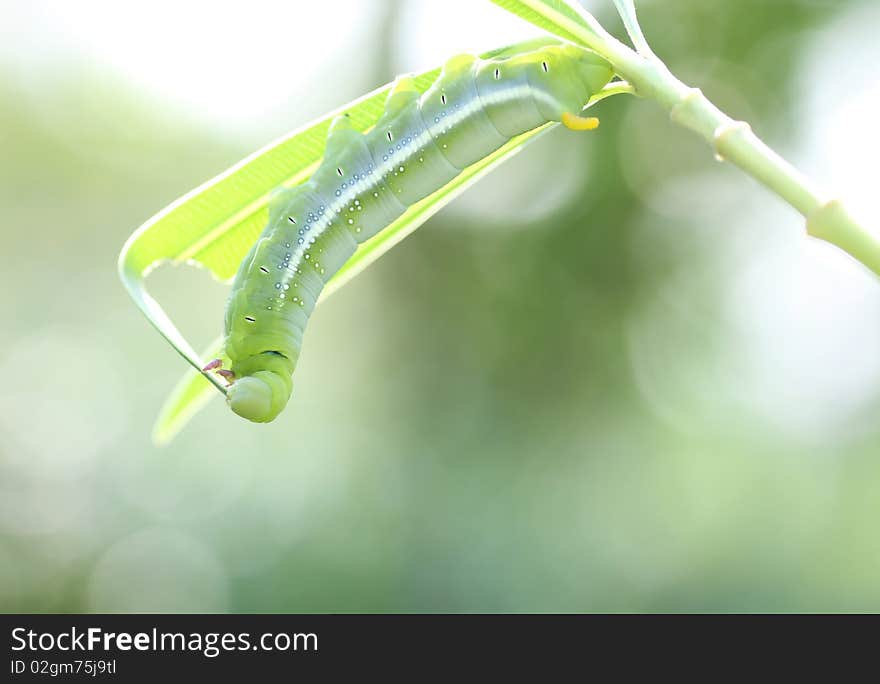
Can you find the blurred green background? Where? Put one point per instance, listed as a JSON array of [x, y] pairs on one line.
[[614, 376]]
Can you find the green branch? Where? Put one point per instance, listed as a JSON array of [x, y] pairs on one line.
[[731, 140]]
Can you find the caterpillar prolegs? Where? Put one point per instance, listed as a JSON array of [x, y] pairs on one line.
[[365, 181]]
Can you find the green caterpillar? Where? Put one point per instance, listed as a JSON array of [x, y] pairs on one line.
[[366, 181]]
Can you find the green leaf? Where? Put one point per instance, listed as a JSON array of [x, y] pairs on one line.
[[215, 225], [627, 11], [557, 17], [189, 396]]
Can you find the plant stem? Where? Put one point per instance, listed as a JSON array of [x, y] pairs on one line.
[[733, 141]]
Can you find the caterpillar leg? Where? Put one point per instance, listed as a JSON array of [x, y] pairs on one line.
[[579, 123], [216, 365]]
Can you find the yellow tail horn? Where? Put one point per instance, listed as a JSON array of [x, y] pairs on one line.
[[579, 123]]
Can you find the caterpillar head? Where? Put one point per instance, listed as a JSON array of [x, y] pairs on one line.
[[262, 386]]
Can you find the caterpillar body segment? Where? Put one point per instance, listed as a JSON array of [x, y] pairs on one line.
[[366, 181]]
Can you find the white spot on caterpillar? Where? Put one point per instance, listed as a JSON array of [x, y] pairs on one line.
[[350, 222]]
